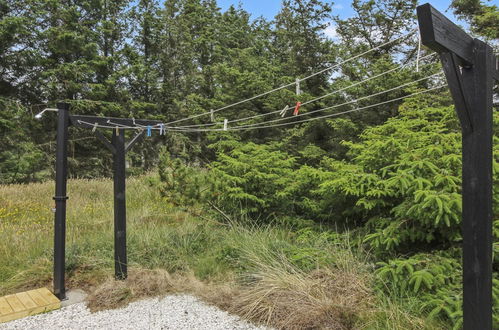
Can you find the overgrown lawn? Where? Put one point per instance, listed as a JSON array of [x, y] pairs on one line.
[[270, 274]]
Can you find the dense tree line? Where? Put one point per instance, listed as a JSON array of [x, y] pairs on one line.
[[172, 59], [177, 58]]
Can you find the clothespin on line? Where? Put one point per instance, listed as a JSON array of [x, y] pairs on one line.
[[117, 130], [297, 109], [148, 130], [94, 128], [212, 115], [226, 122], [283, 111], [161, 129], [298, 90]]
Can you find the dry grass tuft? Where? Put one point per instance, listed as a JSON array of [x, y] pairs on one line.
[[139, 284], [323, 299]]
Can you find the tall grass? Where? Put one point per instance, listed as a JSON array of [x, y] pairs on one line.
[[269, 274]]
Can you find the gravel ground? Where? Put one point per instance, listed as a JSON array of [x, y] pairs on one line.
[[171, 312]]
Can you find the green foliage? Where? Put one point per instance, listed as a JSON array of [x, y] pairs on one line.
[[434, 280], [21, 160], [421, 273], [484, 17], [146, 59], [406, 201], [253, 178], [412, 193], [183, 185]]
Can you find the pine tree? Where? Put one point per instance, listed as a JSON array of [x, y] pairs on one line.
[[299, 41], [484, 18]]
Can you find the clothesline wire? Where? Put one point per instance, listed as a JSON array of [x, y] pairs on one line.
[[310, 101], [341, 113], [348, 111], [297, 81], [329, 107], [258, 125]]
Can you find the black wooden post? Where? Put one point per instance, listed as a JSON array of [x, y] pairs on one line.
[[118, 148], [120, 257], [477, 192], [60, 200], [470, 68]]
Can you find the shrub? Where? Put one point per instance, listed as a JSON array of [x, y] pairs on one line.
[[254, 177]]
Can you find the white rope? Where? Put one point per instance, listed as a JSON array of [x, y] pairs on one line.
[[419, 51], [240, 128], [295, 82], [333, 106], [243, 128], [344, 112], [352, 101], [364, 53], [283, 111], [119, 126]]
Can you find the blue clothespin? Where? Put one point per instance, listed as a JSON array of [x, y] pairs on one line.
[[148, 130]]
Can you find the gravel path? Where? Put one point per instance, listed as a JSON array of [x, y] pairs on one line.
[[171, 312]]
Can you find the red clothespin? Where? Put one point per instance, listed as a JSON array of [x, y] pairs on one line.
[[297, 109]]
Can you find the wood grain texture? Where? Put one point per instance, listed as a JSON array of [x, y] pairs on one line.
[[441, 35], [23, 304], [5, 307], [26, 300], [477, 193]]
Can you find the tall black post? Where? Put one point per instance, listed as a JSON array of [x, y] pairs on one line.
[[470, 69], [477, 192], [60, 200], [120, 258]]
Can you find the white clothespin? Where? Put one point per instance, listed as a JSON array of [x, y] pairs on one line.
[[161, 129], [283, 111], [117, 130], [226, 121], [94, 128], [212, 115], [298, 90]]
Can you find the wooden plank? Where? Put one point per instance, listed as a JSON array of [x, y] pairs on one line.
[[15, 303], [26, 313], [5, 307], [13, 316], [28, 303], [48, 296], [37, 298], [441, 35], [26, 300]]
